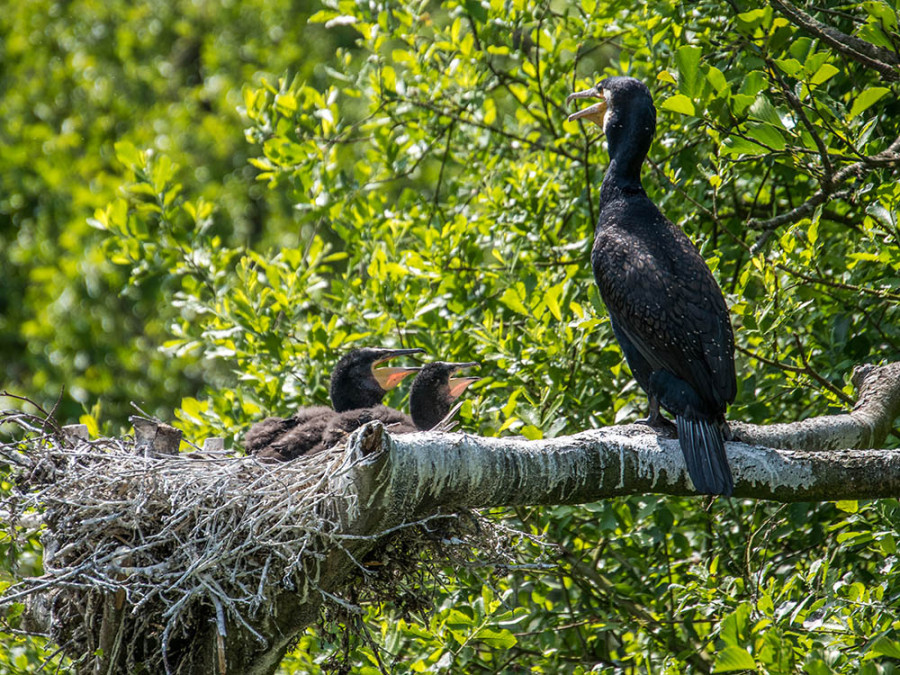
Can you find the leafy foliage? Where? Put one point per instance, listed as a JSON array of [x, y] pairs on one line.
[[439, 199]]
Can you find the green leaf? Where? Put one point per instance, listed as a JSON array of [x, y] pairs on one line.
[[846, 536], [286, 103], [735, 628], [866, 100], [679, 103], [487, 599], [812, 232], [91, 422], [129, 155], [512, 298], [747, 21], [551, 297], [823, 74], [192, 407], [848, 505], [688, 60], [766, 135], [763, 110], [791, 67], [734, 145], [754, 82], [322, 16], [800, 47], [734, 658], [666, 76], [389, 78], [885, 647], [502, 639], [459, 619], [717, 79]]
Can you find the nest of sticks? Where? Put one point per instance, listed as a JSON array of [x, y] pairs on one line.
[[139, 547]]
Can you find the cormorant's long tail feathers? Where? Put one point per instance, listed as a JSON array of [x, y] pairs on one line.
[[704, 453]]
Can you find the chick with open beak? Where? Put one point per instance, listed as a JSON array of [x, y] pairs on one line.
[[356, 383], [434, 391]]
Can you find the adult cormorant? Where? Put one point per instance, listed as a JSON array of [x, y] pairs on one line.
[[356, 382], [666, 310], [430, 399]]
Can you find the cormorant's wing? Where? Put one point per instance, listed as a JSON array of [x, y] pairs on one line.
[[664, 299]]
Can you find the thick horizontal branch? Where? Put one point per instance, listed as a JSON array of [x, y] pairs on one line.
[[425, 472], [438, 471], [866, 426]]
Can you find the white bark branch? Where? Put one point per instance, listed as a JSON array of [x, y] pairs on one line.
[[354, 498]]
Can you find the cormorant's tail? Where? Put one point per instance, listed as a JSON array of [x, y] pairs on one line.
[[704, 453]]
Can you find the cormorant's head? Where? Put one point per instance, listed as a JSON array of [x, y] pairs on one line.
[[357, 382], [625, 112], [434, 390]]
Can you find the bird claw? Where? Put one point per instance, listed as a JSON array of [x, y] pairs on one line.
[[659, 424]]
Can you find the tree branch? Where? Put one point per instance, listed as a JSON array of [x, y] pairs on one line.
[[869, 55], [238, 556], [888, 157]]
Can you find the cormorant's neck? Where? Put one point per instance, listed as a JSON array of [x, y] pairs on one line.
[[629, 141], [428, 408]]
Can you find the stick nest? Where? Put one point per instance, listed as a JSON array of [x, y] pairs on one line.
[[139, 551]]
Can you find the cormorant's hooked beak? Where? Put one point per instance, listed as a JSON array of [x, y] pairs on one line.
[[388, 378], [458, 384], [595, 113]]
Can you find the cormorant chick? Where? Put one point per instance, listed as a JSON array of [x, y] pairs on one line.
[[434, 390], [666, 310], [356, 382], [430, 400]]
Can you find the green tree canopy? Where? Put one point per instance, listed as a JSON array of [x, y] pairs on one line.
[[409, 178]]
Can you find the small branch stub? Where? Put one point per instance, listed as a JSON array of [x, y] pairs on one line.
[[154, 437], [76, 432], [214, 445]]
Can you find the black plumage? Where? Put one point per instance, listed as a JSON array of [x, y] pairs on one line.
[[430, 400], [356, 382], [666, 310], [341, 425], [434, 390], [264, 433]]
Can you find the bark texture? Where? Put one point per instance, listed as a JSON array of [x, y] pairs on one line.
[[378, 483], [415, 475]]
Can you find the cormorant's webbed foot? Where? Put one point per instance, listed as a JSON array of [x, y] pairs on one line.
[[656, 421], [660, 424], [727, 433]]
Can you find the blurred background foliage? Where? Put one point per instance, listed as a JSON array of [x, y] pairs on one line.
[[204, 204]]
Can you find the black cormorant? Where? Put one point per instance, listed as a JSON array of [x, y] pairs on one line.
[[356, 382], [666, 310], [430, 399]]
